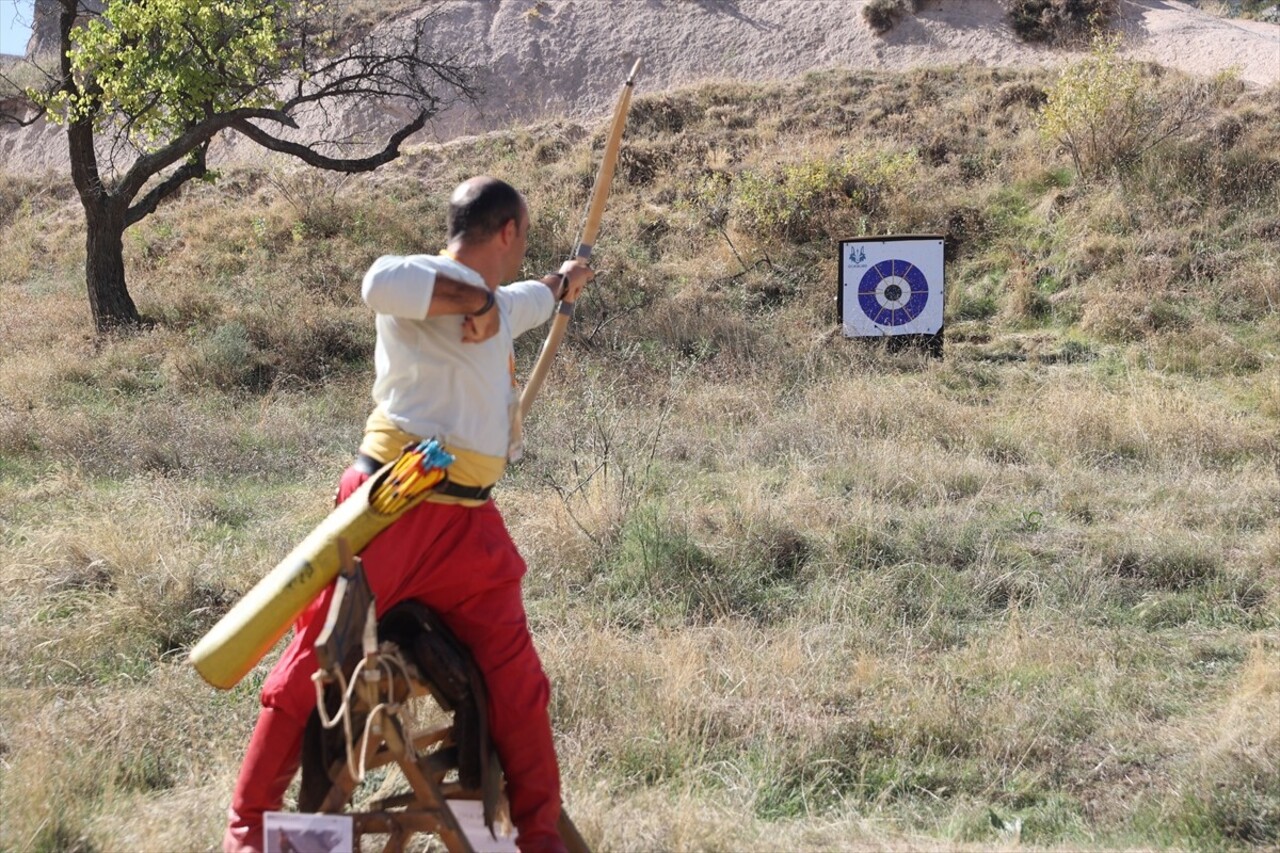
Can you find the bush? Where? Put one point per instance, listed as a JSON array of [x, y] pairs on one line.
[[1107, 112], [788, 203], [882, 15], [804, 201], [224, 359], [1059, 21]]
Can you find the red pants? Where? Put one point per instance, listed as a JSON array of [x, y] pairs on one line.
[[462, 564]]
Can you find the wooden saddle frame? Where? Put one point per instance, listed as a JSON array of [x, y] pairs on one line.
[[371, 668]]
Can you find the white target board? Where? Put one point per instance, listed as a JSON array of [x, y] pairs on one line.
[[891, 286]]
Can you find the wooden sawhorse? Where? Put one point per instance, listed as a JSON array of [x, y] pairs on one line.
[[370, 672]]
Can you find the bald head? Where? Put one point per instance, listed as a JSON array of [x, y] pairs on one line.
[[480, 207]]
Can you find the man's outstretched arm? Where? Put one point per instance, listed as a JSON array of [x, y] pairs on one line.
[[410, 287]]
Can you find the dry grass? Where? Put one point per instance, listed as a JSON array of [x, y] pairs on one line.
[[793, 592]]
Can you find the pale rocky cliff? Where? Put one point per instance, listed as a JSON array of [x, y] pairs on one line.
[[543, 58]]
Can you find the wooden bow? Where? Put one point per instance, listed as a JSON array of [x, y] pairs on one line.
[[599, 194]]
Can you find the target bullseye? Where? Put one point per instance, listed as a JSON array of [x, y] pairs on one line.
[[893, 292]]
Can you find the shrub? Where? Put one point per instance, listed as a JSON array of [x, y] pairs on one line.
[[882, 15], [787, 204], [1107, 112], [1058, 21], [799, 202], [315, 197], [224, 359]]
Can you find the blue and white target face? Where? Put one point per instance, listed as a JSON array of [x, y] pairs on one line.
[[893, 292], [891, 286]]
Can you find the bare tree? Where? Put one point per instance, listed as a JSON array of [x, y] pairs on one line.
[[144, 86]]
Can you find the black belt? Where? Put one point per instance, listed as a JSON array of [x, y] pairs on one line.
[[369, 466]]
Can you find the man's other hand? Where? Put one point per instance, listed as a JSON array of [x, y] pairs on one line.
[[480, 327], [576, 274]]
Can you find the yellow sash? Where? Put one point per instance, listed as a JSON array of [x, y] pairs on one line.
[[384, 441]]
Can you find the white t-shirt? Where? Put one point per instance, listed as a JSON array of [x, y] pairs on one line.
[[429, 382]]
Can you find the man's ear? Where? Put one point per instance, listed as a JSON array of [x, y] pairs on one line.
[[510, 229]]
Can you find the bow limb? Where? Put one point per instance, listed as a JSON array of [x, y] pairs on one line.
[[591, 227]]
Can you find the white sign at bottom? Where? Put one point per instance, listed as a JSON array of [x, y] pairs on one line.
[[290, 832], [470, 815]]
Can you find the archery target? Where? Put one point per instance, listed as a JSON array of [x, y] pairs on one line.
[[891, 286]]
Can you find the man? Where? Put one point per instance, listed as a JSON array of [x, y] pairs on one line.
[[445, 369]]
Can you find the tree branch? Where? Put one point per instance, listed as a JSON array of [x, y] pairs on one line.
[[196, 135], [20, 112], [382, 67], [197, 167], [335, 164], [16, 104]]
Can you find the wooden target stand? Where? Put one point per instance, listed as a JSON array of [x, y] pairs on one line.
[[370, 674]]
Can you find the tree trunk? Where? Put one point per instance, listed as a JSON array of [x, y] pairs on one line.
[[109, 299], [104, 213]]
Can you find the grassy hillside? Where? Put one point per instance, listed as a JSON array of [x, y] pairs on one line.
[[793, 591]]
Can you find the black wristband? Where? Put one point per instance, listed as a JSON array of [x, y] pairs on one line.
[[488, 303], [564, 284]]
